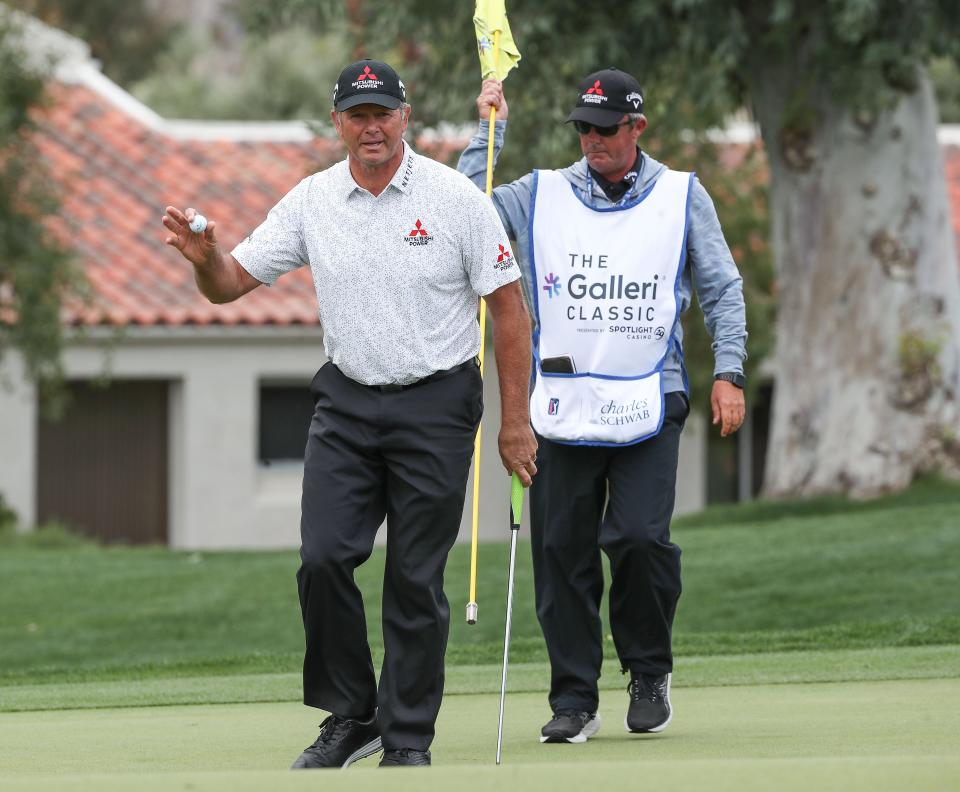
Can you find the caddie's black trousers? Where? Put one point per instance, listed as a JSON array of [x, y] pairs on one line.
[[569, 527], [404, 456]]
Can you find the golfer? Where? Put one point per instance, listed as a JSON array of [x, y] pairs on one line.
[[400, 247], [613, 247]]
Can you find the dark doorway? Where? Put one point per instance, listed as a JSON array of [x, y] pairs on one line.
[[102, 468]]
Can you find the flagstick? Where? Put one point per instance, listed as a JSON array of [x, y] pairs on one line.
[[472, 606]]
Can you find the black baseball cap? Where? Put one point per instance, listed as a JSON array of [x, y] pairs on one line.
[[605, 96], [368, 82]]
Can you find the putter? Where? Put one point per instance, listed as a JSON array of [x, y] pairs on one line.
[[516, 510]]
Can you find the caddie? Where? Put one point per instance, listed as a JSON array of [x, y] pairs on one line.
[[612, 248]]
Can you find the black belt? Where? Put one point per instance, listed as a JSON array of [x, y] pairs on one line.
[[429, 378]]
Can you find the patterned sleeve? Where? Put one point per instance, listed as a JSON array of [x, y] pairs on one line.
[[277, 245], [487, 255]]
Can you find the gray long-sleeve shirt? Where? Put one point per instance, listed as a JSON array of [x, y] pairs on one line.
[[710, 268]]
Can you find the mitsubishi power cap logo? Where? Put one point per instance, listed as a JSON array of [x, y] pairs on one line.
[[367, 79], [594, 94]]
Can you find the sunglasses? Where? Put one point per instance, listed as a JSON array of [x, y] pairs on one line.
[[584, 128]]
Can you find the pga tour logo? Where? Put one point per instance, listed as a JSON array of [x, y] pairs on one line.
[[553, 407]]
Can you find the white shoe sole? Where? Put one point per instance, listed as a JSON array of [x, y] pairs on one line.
[[363, 752], [663, 725], [591, 728]]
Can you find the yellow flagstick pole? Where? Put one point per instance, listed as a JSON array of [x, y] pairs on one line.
[[472, 606]]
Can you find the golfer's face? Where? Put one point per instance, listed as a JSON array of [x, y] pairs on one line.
[[611, 155], [372, 134]]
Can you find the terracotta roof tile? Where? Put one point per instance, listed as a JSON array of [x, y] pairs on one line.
[[115, 177], [951, 158]]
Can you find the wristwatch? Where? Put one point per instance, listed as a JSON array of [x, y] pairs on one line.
[[732, 377]]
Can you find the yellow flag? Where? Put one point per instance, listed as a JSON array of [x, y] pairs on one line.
[[489, 17]]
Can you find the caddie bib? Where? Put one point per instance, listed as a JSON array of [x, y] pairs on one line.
[[605, 297]]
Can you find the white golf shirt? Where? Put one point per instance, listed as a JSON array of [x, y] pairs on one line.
[[397, 275]]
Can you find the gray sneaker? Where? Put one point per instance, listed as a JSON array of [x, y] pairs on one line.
[[570, 726], [649, 710]]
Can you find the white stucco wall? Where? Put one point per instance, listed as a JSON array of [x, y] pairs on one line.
[[219, 496], [18, 439]]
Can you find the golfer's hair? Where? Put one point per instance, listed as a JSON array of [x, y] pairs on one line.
[[634, 117]]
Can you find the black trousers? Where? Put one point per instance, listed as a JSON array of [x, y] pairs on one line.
[[569, 527], [404, 456]]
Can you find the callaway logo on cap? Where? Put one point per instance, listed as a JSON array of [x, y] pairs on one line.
[[368, 82], [606, 96]]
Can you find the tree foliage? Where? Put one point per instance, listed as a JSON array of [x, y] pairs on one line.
[[36, 272], [126, 36], [945, 74], [283, 74]]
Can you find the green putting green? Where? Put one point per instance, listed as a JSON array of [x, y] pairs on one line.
[[848, 735]]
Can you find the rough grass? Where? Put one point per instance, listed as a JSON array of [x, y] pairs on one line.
[[760, 578]]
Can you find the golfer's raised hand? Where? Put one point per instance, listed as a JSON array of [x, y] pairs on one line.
[[491, 95], [518, 450], [198, 249]]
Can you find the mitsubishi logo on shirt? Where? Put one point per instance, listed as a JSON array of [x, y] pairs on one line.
[[419, 235], [504, 258]]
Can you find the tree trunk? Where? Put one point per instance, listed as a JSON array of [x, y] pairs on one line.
[[867, 359]]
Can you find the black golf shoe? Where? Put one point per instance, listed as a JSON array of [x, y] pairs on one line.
[[570, 726], [342, 742], [649, 709], [405, 757]]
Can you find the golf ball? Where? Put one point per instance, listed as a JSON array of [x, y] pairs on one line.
[[199, 224]]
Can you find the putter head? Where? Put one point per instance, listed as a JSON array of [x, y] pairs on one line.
[[472, 613]]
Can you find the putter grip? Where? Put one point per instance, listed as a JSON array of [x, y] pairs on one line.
[[516, 502]]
